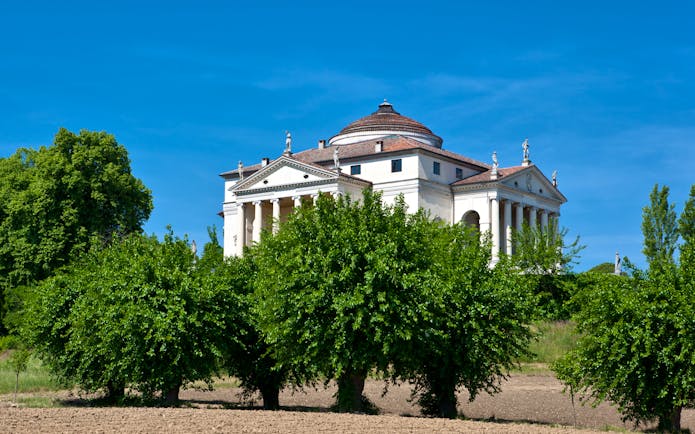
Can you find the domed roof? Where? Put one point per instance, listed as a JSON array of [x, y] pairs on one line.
[[384, 122]]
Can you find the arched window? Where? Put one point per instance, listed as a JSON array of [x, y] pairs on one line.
[[472, 219]]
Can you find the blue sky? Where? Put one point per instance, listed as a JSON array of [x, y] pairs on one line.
[[603, 90]]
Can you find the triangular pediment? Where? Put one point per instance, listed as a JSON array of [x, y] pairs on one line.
[[530, 180], [285, 171]]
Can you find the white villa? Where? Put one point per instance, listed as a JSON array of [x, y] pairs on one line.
[[396, 155]]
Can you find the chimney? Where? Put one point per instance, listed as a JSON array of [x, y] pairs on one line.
[[322, 144], [265, 161], [379, 146]]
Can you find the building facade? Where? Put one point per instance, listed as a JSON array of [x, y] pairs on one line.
[[395, 155]]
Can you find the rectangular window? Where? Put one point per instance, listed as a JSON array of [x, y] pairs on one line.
[[396, 165], [459, 173], [436, 168], [356, 169]]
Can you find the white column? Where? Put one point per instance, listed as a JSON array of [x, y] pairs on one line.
[[314, 197], [532, 216], [495, 227], [336, 194], [241, 229], [257, 221], [297, 201], [544, 219], [508, 226], [276, 214], [519, 216]]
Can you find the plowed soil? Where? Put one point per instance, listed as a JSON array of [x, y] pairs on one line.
[[527, 404]]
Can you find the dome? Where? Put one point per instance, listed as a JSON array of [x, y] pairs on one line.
[[385, 122]]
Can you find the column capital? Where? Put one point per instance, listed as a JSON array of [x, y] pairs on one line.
[[296, 197], [274, 200], [257, 202]]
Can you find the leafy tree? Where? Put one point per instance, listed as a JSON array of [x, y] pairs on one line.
[[477, 323], [249, 358], [338, 291], [544, 251], [19, 360], [636, 348], [637, 345], [686, 229], [604, 267], [660, 229], [138, 313], [55, 202], [547, 261]]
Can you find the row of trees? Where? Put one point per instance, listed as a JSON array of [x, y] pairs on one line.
[[637, 345], [344, 289]]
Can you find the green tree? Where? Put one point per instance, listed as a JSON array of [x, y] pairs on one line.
[[138, 313], [19, 360], [477, 322], [659, 228], [637, 345], [55, 202], [248, 356], [544, 251], [604, 267], [547, 262], [337, 291], [636, 348], [686, 229]]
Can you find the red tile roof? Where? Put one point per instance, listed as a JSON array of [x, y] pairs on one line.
[[386, 118], [391, 144]]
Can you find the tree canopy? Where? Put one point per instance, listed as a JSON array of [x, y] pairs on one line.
[[477, 322], [345, 288], [637, 345], [659, 228], [55, 202], [338, 292], [139, 313]]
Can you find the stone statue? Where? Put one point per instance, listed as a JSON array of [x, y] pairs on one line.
[[336, 161], [240, 167], [495, 165], [554, 178], [617, 270], [288, 143], [525, 146]]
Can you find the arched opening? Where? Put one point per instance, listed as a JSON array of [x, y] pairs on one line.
[[471, 219]]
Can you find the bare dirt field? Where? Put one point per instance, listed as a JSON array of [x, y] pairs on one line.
[[527, 404]]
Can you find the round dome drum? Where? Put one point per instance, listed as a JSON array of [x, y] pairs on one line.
[[385, 122]]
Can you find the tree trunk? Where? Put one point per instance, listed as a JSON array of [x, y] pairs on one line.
[[671, 422], [438, 398], [171, 396], [115, 391], [447, 403], [271, 397], [350, 388]]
